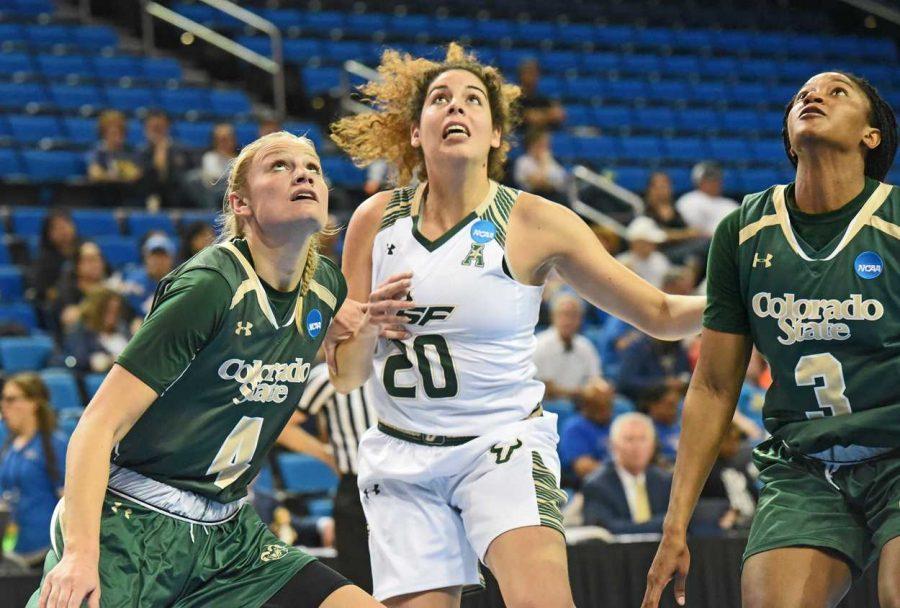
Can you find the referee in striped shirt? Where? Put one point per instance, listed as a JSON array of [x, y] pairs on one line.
[[347, 418]]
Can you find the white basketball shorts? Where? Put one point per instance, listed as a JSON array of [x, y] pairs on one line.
[[433, 511]]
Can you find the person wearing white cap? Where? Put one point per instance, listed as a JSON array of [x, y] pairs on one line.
[[158, 253], [704, 207], [642, 257]]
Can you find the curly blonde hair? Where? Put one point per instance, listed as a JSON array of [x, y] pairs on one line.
[[397, 98], [232, 227]]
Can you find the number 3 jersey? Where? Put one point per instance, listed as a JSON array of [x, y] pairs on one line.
[[229, 358], [820, 296], [468, 365]]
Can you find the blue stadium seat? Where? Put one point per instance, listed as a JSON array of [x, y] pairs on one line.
[[309, 129], [564, 146], [132, 99], [612, 117], [12, 32], [577, 33], [15, 63], [229, 103], [599, 148], [641, 148], [189, 217], [493, 29], [320, 507], [680, 65], [63, 389], [10, 164], [43, 35], [759, 68], [768, 151], [27, 221], [719, 67], [119, 250], [55, 66], [754, 180], [95, 37], [771, 121], [577, 115], [323, 21], [12, 285], [32, 129], [668, 91], [193, 134], [80, 130], [181, 101], [681, 179], [553, 86], [615, 36], [282, 17], [365, 24], [728, 150], [30, 8], [134, 135], [697, 120], [19, 313], [5, 258], [559, 61], [625, 90], [76, 97], [654, 118], [601, 62], [302, 473], [740, 121], [115, 67], [696, 41], [91, 383], [95, 222], [160, 69], [245, 132], [452, 28], [139, 223], [53, 166], [632, 178], [654, 37], [640, 64], [25, 354], [409, 26], [342, 172], [17, 96], [533, 32], [304, 50], [317, 81], [687, 149]]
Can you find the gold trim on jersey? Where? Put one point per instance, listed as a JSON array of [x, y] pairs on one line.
[[885, 226], [862, 218], [750, 230], [261, 297], [324, 294], [242, 290], [499, 210], [398, 207], [416, 202]]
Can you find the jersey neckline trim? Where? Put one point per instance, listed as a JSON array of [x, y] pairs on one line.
[[862, 218], [261, 297], [449, 234]]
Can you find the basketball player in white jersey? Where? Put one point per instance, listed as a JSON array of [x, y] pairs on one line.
[[462, 466]]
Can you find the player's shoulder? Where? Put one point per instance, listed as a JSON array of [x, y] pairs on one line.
[[759, 203], [383, 209], [329, 275], [212, 264], [534, 209]]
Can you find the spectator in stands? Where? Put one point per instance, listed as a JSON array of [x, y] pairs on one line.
[[215, 162], [58, 244], [139, 283], [648, 363], [196, 236], [32, 462], [631, 495], [538, 111], [163, 162], [88, 273], [567, 363], [704, 207], [661, 404], [683, 243], [583, 443], [730, 481], [101, 333], [642, 257], [536, 170], [112, 160]]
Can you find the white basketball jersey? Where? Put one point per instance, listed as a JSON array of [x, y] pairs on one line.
[[467, 366]]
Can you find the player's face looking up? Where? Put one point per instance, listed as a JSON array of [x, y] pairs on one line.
[[833, 111], [285, 188], [456, 119]]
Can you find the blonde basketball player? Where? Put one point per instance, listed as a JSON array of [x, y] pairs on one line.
[[463, 464]]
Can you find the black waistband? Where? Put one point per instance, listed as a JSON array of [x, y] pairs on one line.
[[440, 440]]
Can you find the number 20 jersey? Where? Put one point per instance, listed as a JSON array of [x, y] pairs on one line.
[[828, 322], [467, 366]]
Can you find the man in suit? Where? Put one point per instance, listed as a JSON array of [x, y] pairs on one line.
[[628, 496]]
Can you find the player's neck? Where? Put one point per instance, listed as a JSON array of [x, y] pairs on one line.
[[279, 265], [453, 195], [828, 181]]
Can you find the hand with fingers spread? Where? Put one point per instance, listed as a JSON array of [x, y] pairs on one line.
[[385, 302], [673, 559], [73, 580]]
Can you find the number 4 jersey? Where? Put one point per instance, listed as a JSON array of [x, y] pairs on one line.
[[468, 366], [229, 357], [820, 296]]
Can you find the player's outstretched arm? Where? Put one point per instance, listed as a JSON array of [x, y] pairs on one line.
[[544, 235], [119, 402], [350, 361], [708, 410]]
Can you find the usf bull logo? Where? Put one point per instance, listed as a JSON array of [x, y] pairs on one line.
[[504, 451], [273, 553]]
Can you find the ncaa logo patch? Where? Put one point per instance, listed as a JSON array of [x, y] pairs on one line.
[[868, 265], [483, 231], [314, 322]]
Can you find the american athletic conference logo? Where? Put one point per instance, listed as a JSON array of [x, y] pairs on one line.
[[868, 265], [314, 323]]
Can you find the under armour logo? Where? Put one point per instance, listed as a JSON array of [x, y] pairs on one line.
[[391, 248], [766, 260], [504, 451], [243, 327], [376, 490]]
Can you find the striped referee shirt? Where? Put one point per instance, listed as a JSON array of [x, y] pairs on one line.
[[348, 416]]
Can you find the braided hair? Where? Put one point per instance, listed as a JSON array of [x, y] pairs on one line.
[[881, 116]]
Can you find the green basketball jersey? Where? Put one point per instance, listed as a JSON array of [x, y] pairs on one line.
[[213, 423], [828, 322]]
